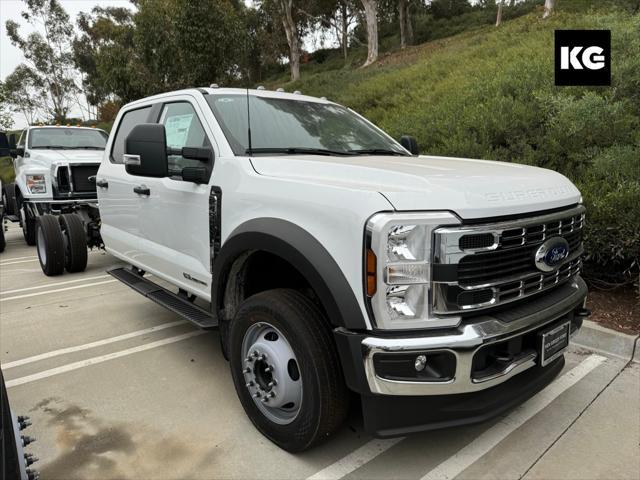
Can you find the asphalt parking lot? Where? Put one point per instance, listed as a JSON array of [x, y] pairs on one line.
[[117, 387]]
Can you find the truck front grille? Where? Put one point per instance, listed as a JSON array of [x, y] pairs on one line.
[[80, 175], [482, 266]]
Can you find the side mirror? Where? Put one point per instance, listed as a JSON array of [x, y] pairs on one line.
[[5, 151], [197, 175], [410, 143], [145, 151]]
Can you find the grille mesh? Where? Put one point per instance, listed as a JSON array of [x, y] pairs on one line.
[[80, 175]]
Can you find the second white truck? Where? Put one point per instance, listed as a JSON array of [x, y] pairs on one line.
[[338, 263], [55, 168]]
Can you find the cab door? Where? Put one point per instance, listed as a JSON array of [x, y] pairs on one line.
[[173, 212], [119, 206]]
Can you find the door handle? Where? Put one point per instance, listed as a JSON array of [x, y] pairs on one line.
[[142, 190], [102, 183]]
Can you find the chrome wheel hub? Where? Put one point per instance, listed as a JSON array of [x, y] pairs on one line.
[[271, 373]]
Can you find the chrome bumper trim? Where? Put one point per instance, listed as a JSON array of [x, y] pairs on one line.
[[463, 344]]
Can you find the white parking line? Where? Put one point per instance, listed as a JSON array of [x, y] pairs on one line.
[[83, 279], [479, 447], [56, 290], [476, 449], [19, 258], [3, 264], [355, 459], [86, 346], [103, 358]]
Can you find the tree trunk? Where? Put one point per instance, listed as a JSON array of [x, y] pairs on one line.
[[371, 17], [549, 5], [402, 12], [406, 31], [499, 16], [291, 32], [345, 31]]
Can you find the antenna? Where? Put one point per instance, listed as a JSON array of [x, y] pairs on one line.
[[249, 150]]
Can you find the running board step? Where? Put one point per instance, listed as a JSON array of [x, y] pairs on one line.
[[169, 300], [12, 218]]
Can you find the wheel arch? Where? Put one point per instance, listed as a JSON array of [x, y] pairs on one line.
[[302, 251]]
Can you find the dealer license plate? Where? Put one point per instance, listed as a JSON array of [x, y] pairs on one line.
[[554, 342]]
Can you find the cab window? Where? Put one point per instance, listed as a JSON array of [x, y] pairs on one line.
[[129, 120], [183, 129]]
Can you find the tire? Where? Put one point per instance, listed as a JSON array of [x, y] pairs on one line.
[[50, 245], [9, 198], [75, 242], [28, 223], [3, 242], [323, 401]]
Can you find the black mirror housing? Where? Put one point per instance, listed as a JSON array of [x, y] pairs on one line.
[[197, 175], [204, 154], [145, 151], [410, 143]]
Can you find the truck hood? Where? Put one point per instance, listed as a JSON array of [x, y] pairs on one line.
[[470, 188], [46, 157]]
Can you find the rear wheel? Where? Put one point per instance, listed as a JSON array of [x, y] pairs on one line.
[[75, 242], [285, 369], [50, 245], [28, 222]]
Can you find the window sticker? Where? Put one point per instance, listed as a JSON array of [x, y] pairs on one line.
[[177, 128]]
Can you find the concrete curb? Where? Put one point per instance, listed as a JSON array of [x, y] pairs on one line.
[[598, 338]]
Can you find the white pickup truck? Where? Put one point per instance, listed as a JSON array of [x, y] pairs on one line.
[[333, 259], [54, 166]]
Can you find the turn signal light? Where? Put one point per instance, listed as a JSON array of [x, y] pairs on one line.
[[371, 273]]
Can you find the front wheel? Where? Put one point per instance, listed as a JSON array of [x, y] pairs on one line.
[[28, 223], [50, 245], [285, 369]]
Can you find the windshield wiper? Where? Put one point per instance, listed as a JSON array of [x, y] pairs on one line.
[[53, 147], [376, 151], [294, 150]]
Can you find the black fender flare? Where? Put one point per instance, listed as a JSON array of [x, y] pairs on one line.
[[302, 250]]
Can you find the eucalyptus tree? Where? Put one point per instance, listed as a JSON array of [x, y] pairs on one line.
[[48, 55]]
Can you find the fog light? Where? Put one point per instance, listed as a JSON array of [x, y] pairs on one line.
[[420, 363]]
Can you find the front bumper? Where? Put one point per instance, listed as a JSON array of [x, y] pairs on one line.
[[463, 345]]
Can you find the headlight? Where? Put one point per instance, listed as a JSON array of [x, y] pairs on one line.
[[36, 184], [398, 269]]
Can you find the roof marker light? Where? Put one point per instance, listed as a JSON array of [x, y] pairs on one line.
[[214, 85], [297, 92], [260, 87], [280, 89]]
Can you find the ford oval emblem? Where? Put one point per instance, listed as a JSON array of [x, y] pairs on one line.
[[551, 254]]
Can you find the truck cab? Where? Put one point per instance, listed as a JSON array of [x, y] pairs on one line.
[[338, 263], [54, 166]]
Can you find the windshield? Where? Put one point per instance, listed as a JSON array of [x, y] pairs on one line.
[[61, 138], [280, 125]]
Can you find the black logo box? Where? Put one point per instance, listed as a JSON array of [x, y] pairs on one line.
[[571, 39]]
